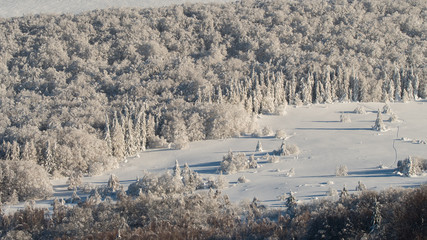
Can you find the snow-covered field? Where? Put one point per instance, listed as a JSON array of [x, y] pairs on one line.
[[324, 141], [13, 8]]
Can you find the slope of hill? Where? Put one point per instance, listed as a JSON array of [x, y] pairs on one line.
[[29, 7]]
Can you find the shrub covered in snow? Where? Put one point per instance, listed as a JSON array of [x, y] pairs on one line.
[[287, 149], [393, 118], [243, 179], [267, 131], [412, 166], [280, 134], [387, 109], [360, 110], [234, 162], [185, 180], [341, 171], [345, 118]]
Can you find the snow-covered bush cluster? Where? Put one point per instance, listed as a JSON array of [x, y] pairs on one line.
[[234, 162], [412, 166], [287, 149], [181, 180]]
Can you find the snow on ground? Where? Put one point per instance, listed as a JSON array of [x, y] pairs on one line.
[[13, 8], [324, 141]]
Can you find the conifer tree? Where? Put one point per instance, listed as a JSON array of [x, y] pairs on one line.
[[108, 134], [118, 139], [397, 85], [379, 124], [259, 147], [113, 183], [48, 160], [30, 152]]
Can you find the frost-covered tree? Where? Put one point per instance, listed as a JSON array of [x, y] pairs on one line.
[[379, 124], [360, 186], [259, 147], [287, 149], [113, 183], [30, 152], [25, 179], [341, 171], [118, 139]]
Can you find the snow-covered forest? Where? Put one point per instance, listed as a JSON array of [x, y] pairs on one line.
[[81, 92]]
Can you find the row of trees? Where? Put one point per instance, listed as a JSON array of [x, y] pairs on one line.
[[390, 214]]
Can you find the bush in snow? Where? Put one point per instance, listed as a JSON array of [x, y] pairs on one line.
[[281, 110], [74, 180], [290, 173], [267, 131], [361, 186], [393, 118], [179, 181], [232, 163], [113, 183], [412, 166], [345, 118], [243, 179], [341, 171], [387, 109], [280, 134], [217, 183], [23, 180], [272, 158], [332, 192], [360, 110], [287, 149], [379, 124], [253, 163]]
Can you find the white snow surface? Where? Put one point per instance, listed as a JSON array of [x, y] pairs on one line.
[[324, 141], [18, 8]]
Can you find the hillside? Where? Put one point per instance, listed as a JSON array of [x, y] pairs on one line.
[[248, 119]]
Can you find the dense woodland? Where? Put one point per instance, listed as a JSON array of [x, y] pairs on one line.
[[81, 92]]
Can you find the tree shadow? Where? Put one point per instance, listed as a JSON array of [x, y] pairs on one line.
[[207, 164], [388, 172], [207, 171], [326, 121], [336, 129]]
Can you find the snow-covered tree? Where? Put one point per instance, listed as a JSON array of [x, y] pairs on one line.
[[30, 152], [360, 186], [287, 149], [341, 171], [379, 124], [113, 183], [118, 139], [259, 147], [345, 118]]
